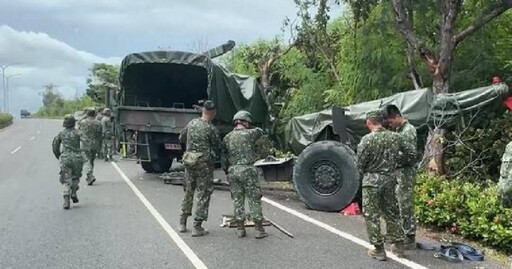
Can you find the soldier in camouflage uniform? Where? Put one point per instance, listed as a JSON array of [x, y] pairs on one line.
[[379, 154], [107, 126], [202, 148], [241, 152], [90, 134], [406, 176], [99, 118], [70, 158], [505, 182]]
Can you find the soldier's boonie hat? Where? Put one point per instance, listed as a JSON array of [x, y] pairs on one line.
[[243, 115], [69, 121], [209, 105], [375, 115]]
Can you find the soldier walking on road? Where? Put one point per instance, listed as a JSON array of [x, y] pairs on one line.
[[202, 148], [90, 134], [406, 176], [70, 158], [241, 152], [99, 118], [379, 154], [107, 126]]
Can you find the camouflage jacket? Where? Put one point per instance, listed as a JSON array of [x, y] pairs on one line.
[[202, 137], [107, 127], [90, 134], [505, 182], [69, 138], [244, 147], [408, 133], [379, 153]]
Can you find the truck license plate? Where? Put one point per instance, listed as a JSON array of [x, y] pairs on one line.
[[172, 146]]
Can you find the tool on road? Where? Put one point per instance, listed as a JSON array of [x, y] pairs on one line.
[[230, 222], [283, 230]]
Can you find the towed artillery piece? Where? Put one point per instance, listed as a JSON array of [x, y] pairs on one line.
[[325, 174]]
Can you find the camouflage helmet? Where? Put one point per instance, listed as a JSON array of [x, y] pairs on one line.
[[243, 116], [106, 111], [69, 121]]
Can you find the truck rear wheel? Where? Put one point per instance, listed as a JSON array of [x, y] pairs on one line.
[[157, 166], [326, 177]]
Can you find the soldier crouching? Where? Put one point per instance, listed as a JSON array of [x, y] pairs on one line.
[[71, 159], [240, 152]]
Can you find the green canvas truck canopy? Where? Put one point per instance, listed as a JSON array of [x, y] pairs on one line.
[[420, 107], [174, 79]]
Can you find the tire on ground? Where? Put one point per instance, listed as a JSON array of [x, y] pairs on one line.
[[157, 166], [326, 176]]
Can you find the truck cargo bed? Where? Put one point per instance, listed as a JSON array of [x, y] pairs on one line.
[[155, 119]]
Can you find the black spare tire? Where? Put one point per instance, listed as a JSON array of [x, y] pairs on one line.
[[326, 177]]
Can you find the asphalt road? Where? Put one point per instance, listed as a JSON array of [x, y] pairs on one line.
[[129, 219]]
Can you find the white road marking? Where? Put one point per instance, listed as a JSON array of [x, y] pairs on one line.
[[174, 236], [16, 150], [345, 235], [32, 138]]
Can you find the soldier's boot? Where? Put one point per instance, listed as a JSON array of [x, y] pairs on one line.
[[410, 242], [378, 253], [183, 224], [90, 180], [198, 230], [260, 232], [398, 249], [240, 229], [66, 202], [74, 197]]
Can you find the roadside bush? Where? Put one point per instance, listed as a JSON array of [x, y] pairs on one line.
[[475, 154], [465, 208], [5, 120]]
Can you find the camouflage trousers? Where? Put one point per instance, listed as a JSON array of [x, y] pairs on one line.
[[70, 173], [198, 180], [244, 183], [101, 151], [108, 147], [406, 179], [89, 157], [377, 202]]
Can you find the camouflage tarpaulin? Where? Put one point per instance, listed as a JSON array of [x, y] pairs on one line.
[[420, 107]]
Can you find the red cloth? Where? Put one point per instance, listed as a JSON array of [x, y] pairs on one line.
[[508, 103], [352, 209]]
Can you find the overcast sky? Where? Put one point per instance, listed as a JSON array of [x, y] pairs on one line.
[[56, 41]]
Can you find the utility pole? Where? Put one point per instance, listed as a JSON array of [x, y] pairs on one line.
[[3, 67], [8, 89]]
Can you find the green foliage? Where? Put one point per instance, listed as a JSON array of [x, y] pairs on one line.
[[469, 209], [60, 106], [5, 120], [475, 151], [101, 76]]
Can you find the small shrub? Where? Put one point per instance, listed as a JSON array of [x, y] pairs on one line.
[[469, 209], [5, 120]]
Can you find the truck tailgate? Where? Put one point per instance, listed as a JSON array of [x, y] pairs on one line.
[[155, 119]]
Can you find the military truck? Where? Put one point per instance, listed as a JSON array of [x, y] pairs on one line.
[[160, 92], [325, 174]]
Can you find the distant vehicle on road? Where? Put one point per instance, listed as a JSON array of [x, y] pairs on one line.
[[24, 113]]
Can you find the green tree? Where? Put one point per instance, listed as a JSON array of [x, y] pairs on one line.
[[50, 95], [102, 76]]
